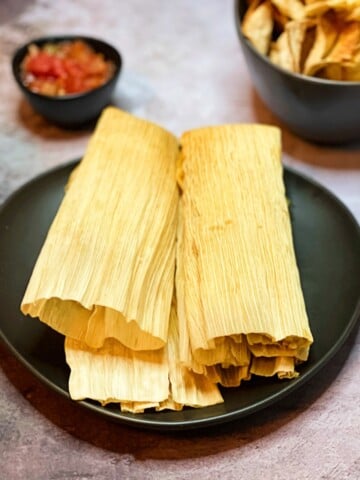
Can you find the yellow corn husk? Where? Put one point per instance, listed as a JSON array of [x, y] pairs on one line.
[[116, 373], [228, 351], [186, 387], [138, 407], [237, 281], [138, 380], [107, 266], [283, 367], [230, 376]]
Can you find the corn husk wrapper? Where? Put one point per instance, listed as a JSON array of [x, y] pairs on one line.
[[237, 282], [230, 376], [233, 354], [137, 380], [106, 268], [186, 387], [283, 367], [114, 373]]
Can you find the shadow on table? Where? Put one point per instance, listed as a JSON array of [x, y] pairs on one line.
[[145, 444], [39, 126], [131, 93], [344, 157]]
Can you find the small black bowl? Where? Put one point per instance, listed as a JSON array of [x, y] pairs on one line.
[[75, 110], [323, 111]]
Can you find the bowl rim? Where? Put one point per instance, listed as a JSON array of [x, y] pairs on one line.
[[20, 52], [297, 76]]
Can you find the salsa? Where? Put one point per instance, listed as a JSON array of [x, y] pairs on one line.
[[64, 68]]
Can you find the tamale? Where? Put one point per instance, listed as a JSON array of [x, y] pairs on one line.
[[237, 281], [106, 268]]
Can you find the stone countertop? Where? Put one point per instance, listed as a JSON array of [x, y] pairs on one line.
[[183, 68]]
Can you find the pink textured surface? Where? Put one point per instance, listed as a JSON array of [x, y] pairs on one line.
[[182, 68]]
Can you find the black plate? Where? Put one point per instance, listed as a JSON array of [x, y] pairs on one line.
[[327, 243]]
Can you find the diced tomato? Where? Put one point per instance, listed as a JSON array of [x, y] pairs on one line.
[[73, 68], [74, 84], [40, 64], [70, 67]]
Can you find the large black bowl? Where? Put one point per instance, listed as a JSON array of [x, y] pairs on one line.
[[77, 109], [324, 111]]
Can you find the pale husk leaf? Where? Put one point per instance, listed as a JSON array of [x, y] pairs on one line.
[[283, 367], [115, 373]]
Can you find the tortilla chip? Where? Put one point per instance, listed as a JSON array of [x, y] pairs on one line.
[[258, 26], [313, 9], [280, 19], [253, 4], [307, 46], [351, 70], [293, 9], [351, 74], [325, 39], [296, 32], [353, 15], [313, 37], [332, 71], [280, 53], [347, 44]]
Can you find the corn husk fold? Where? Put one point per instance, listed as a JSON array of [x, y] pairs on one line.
[[137, 380]]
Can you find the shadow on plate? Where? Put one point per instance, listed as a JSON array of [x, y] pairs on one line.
[[144, 444]]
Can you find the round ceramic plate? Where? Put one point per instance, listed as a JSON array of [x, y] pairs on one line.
[[327, 244]]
